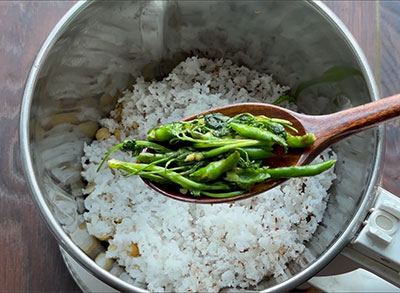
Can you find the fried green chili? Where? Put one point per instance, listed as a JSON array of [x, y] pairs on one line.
[[161, 133], [215, 155], [300, 171], [257, 133], [300, 141], [216, 169]]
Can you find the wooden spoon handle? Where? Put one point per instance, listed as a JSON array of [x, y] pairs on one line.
[[333, 127]]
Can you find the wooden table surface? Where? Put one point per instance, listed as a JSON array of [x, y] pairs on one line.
[[29, 256]]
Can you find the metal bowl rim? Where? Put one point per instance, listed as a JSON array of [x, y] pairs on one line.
[[74, 251]]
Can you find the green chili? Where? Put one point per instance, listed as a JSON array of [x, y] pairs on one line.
[[215, 169], [300, 141], [300, 171], [161, 133], [253, 132], [246, 178]]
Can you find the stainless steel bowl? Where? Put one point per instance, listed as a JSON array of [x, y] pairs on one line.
[[99, 47]]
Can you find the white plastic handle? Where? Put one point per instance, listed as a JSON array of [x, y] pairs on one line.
[[377, 246]]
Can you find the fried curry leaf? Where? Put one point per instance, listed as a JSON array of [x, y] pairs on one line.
[[215, 121]]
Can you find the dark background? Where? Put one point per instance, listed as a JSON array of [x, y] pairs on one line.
[[29, 256]]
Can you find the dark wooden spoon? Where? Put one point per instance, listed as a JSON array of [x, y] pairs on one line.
[[328, 129]]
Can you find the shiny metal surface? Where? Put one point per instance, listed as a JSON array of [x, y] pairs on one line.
[[100, 47]]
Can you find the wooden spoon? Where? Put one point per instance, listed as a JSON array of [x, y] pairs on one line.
[[328, 129]]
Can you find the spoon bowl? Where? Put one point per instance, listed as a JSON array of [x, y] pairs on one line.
[[328, 129]]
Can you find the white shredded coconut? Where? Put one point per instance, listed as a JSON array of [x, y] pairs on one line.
[[189, 247]]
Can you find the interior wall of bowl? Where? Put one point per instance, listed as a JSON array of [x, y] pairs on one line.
[[101, 50]]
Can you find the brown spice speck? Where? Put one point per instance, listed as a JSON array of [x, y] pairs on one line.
[[303, 187]]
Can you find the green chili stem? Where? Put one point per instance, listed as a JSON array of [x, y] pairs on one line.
[[224, 142], [155, 178], [108, 155], [146, 167], [229, 147]]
